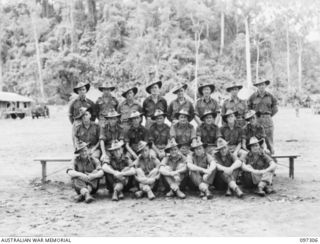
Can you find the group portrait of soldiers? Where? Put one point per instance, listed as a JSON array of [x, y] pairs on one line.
[[153, 147]]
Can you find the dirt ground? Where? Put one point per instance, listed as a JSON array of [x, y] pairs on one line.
[[29, 209]]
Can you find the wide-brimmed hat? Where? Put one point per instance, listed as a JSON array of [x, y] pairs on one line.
[[106, 85], [183, 112], [82, 111], [267, 82], [221, 143], [208, 112], [172, 143], [135, 114], [229, 88], [249, 114], [80, 146], [211, 86], [81, 84], [253, 140], [148, 88], [134, 89], [112, 114], [142, 145], [115, 145], [158, 113], [228, 112], [197, 143], [178, 87]]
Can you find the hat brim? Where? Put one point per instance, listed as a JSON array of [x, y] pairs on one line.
[[87, 86], [178, 114], [81, 115], [111, 88], [148, 88], [136, 116], [218, 148], [155, 116], [260, 142], [205, 115], [202, 144], [167, 149], [211, 86], [147, 144], [115, 148], [267, 82], [224, 117], [134, 89], [232, 87], [115, 116], [248, 118], [80, 148], [177, 89]]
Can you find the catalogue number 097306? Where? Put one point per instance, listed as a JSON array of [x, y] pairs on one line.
[[309, 240]]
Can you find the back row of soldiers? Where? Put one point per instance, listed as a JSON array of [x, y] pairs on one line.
[[122, 145]]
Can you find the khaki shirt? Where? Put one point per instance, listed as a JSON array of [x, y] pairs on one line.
[[203, 105], [125, 109], [259, 162], [203, 161], [89, 135], [159, 135], [237, 105], [147, 165], [226, 161], [174, 163], [109, 134], [182, 133], [149, 106], [105, 105], [85, 165], [76, 104], [175, 106], [264, 104], [208, 133]]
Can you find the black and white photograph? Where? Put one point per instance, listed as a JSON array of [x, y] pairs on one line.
[[159, 118]]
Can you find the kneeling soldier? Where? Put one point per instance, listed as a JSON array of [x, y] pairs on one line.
[[174, 169], [259, 168], [85, 174], [202, 168], [147, 170], [228, 169], [117, 170]]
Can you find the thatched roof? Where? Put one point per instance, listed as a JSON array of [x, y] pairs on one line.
[[13, 97]]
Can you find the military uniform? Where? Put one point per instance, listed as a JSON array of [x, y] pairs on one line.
[[74, 109], [232, 136], [175, 106], [209, 135], [109, 134], [149, 106], [183, 133], [125, 110], [253, 130], [159, 135], [104, 105], [237, 105], [203, 105], [136, 134]]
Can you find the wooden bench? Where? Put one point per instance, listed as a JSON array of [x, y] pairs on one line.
[[291, 162], [44, 161]]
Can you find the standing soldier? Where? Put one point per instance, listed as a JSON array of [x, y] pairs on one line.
[[127, 107], [181, 102], [202, 168], [265, 105], [235, 104], [106, 102], [174, 169], [153, 102], [206, 102], [81, 101]]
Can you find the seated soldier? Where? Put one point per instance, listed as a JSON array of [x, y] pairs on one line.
[[202, 169], [232, 133], [111, 131], [253, 129], [85, 173], [174, 169], [136, 133], [87, 131], [228, 169], [159, 133], [207, 131], [147, 170], [258, 168], [118, 170], [183, 132]]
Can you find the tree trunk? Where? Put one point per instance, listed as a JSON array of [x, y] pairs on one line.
[[37, 56], [248, 57], [299, 65], [221, 33], [257, 62], [1, 78], [92, 14], [197, 45], [74, 37], [288, 55]]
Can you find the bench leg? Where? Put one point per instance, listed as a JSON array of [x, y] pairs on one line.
[[291, 168], [44, 171]]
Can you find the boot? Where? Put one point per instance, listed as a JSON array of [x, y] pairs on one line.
[[79, 198], [260, 192], [170, 194], [228, 192], [180, 194], [208, 194], [150, 194], [138, 194], [121, 196], [238, 192], [115, 196], [88, 198], [269, 189]]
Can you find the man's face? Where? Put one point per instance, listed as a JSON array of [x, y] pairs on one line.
[[234, 92], [136, 121], [82, 91], [224, 151], [253, 120], [145, 152], [130, 95], [174, 151], [86, 117], [206, 91], [184, 149], [160, 120], [231, 118], [183, 119], [155, 90], [180, 93], [84, 152], [117, 153], [262, 87], [199, 151], [255, 148], [113, 121], [209, 119]]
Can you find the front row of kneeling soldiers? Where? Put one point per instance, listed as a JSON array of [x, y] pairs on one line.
[[199, 169]]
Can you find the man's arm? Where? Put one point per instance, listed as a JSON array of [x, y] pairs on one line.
[[70, 111], [274, 106], [129, 149], [193, 167]]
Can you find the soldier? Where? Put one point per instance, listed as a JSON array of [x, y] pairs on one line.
[[202, 169], [206, 102], [182, 131], [85, 173], [174, 169], [106, 103], [81, 101], [147, 170], [88, 132], [159, 133], [208, 132], [118, 170], [109, 132], [181, 102], [153, 102], [127, 107], [228, 167], [235, 104], [136, 133], [258, 168], [265, 105]]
